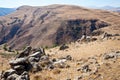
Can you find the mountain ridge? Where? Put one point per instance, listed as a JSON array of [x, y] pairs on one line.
[[53, 24]]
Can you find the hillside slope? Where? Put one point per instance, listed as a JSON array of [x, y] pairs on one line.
[[54, 25]]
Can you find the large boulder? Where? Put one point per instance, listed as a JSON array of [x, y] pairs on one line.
[[12, 77], [7, 73], [18, 61]]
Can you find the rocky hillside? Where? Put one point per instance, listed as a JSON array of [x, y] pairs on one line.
[[53, 25], [5, 11], [84, 60]]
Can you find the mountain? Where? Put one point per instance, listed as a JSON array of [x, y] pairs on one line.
[[5, 11], [110, 8], [54, 25], [116, 9]]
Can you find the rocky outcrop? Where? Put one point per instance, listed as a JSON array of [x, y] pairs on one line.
[[72, 30], [22, 64], [32, 60]]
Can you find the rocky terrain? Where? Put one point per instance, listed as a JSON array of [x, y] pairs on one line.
[[53, 25], [60, 42], [95, 58]]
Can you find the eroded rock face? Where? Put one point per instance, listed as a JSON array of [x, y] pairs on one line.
[[72, 30]]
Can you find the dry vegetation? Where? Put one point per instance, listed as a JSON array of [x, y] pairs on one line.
[[79, 51], [48, 25]]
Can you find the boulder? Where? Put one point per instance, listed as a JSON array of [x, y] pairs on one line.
[[85, 68], [19, 67], [36, 67], [36, 54], [60, 64], [24, 76], [12, 77], [18, 61], [33, 59], [68, 57], [7, 73], [109, 56], [25, 52], [44, 58]]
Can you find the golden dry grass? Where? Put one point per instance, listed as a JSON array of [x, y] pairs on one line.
[[79, 51], [83, 51]]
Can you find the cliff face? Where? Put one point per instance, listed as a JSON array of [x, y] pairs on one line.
[[50, 25], [72, 30]]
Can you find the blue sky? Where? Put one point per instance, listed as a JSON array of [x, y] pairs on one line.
[[86, 3]]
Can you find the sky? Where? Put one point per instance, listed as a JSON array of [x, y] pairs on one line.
[[85, 3]]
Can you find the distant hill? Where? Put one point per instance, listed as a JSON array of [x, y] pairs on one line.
[[5, 11], [116, 9], [53, 25]]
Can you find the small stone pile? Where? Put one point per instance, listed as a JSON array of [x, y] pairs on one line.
[[24, 62], [31, 60]]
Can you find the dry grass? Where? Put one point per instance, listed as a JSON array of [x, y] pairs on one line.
[[44, 34], [80, 51]]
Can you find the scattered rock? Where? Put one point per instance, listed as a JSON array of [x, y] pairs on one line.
[[68, 57], [89, 67], [109, 56], [61, 63], [63, 47], [24, 76], [80, 77]]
